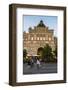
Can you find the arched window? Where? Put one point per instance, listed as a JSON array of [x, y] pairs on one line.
[[44, 38], [40, 38], [31, 38], [49, 38], [37, 38]]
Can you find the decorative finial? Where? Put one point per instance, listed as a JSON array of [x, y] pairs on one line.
[[41, 24]]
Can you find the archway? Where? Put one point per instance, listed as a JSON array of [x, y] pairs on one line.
[[40, 51]]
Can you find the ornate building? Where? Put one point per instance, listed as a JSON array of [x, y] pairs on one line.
[[38, 37]]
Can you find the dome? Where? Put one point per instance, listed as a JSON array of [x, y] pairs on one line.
[[41, 24]]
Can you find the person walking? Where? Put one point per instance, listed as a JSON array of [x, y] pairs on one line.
[[32, 62], [38, 63]]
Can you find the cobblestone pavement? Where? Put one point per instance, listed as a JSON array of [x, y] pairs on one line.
[[44, 68]]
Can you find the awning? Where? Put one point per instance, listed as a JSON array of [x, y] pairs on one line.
[[32, 55]]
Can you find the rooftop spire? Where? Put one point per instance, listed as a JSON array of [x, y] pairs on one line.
[[41, 24]]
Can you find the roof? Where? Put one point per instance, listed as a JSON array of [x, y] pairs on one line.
[[41, 24]]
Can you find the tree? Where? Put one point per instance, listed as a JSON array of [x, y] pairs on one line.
[[55, 53], [24, 53], [47, 53]]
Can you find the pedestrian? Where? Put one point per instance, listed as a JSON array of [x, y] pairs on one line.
[[32, 62], [38, 63], [28, 62]]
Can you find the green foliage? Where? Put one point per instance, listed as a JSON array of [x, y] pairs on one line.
[[24, 53], [55, 54], [47, 53]]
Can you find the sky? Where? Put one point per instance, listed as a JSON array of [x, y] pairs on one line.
[[31, 21]]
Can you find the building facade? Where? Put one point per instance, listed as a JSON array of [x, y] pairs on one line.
[[38, 37]]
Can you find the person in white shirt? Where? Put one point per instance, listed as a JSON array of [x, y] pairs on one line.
[[38, 63]]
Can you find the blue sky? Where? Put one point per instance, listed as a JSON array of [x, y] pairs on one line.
[[31, 21]]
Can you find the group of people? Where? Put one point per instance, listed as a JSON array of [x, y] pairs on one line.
[[34, 61]]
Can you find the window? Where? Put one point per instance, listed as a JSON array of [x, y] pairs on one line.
[[28, 37], [25, 38], [44, 38], [37, 38], [49, 38], [40, 38], [31, 38]]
